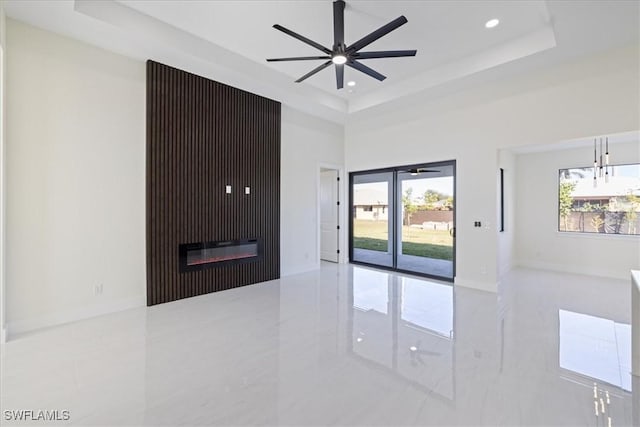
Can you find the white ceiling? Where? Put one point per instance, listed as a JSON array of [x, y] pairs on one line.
[[438, 29], [230, 40]]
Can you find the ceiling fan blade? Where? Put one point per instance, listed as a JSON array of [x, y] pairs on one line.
[[418, 171], [302, 39], [384, 54], [368, 71], [315, 70], [339, 76], [298, 58], [380, 32], [338, 23]]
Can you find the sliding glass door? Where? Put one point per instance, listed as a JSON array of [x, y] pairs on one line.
[[425, 230], [403, 218], [372, 214]]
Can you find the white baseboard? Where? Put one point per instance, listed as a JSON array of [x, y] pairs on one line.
[[26, 325], [476, 284], [591, 270]]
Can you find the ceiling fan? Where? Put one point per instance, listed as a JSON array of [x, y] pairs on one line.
[[341, 54], [418, 171]]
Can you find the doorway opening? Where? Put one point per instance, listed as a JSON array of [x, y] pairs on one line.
[[403, 218], [329, 214]]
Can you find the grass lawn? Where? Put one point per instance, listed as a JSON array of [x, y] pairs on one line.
[[373, 235]]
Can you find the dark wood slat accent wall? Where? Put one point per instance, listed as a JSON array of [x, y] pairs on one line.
[[201, 136]]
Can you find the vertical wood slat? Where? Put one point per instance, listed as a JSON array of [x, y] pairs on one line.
[[201, 136]]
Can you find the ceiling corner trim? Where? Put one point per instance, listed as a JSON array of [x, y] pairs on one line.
[[529, 44]]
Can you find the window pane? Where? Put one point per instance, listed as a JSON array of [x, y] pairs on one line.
[[371, 222], [590, 203]]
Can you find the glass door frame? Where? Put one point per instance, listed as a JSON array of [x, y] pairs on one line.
[[395, 213]]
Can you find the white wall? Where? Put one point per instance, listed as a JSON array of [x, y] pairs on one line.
[[506, 238], [3, 74], [594, 96], [540, 245], [75, 179], [307, 144], [635, 325]]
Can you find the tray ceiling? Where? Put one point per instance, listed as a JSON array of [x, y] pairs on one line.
[[229, 40]]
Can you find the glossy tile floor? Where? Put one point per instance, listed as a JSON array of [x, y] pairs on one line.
[[342, 346]]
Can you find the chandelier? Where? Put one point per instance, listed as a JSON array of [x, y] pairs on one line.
[[600, 169]]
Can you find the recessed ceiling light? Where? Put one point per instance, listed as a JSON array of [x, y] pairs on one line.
[[492, 23], [351, 83], [413, 348], [339, 59]]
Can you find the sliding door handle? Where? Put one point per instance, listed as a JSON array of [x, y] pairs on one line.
[[452, 232]]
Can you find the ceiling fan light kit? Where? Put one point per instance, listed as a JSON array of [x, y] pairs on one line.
[[341, 54]]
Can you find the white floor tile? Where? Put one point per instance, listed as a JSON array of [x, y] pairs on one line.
[[345, 345]]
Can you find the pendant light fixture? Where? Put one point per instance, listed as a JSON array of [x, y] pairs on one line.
[[601, 169]]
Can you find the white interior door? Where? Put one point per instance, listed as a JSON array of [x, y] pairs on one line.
[[329, 215]]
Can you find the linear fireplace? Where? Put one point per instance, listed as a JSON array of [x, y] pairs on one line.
[[198, 256]]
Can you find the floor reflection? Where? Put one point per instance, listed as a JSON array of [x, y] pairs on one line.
[[370, 290], [404, 325], [427, 305], [344, 345], [596, 347]]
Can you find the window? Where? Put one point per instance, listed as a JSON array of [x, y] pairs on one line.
[[368, 208], [588, 205]]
